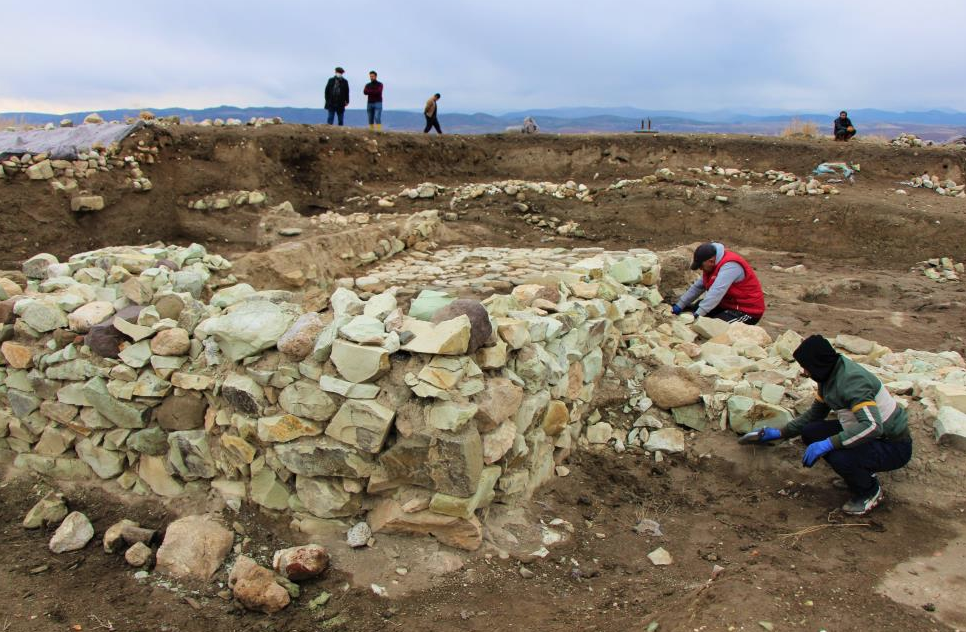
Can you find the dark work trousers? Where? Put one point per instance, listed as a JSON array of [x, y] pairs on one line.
[[431, 122], [857, 465], [333, 112], [732, 316]]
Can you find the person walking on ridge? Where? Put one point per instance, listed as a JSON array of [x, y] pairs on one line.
[[373, 92], [431, 111], [337, 96]]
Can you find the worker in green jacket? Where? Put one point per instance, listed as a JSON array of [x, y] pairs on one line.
[[870, 434]]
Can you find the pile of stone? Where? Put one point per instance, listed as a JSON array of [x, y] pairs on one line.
[[142, 367], [514, 188], [255, 121], [937, 184], [63, 175], [520, 188], [909, 140], [554, 224], [227, 199], [776, 176], [194, 548], [791, 185], [942, 269]]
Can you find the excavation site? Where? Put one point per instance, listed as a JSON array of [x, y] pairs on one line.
[[300, 378]]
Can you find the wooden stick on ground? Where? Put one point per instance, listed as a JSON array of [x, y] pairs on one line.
[[798, 535]]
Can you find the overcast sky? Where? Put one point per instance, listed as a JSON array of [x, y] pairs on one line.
[[487, 55]]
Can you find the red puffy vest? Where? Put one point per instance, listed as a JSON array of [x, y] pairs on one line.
[[745, 295]]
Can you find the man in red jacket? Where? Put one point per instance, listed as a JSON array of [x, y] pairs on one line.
[[373, 92], [734, 293]]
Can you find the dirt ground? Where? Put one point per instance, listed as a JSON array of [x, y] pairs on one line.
[[790, 562]]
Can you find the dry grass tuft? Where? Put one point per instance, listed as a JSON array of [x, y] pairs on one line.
[[801, 129]]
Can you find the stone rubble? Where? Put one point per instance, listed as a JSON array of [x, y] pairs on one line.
[[947, 187], [373, 411], [65, 177], [941, 269], [909, 140]]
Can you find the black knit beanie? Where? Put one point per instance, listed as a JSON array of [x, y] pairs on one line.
[[816, 356]]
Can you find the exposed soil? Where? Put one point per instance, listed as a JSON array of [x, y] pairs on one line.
[[719, 504]]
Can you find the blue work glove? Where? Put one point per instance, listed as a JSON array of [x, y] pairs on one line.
[[676, 310], [769, 434], [816, 451]]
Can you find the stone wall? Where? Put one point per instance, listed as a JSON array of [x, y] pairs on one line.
[[152, 369]]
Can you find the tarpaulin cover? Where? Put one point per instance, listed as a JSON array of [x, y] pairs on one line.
[[64, 143], [833, 167]]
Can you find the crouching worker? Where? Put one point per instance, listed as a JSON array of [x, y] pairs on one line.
[[870, 435], [733, 292], [842, 127]]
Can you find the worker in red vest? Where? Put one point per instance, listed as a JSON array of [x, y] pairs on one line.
[[733, 292]]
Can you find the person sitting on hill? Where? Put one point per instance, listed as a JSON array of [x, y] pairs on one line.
[[843, 127], [734, 293]]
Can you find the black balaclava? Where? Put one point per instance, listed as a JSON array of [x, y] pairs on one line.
[[816, 356]]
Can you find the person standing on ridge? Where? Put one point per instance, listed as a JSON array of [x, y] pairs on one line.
[[337, 96], [734, 293], [843, 127], [870, 434], [373, 92], [431, 112]]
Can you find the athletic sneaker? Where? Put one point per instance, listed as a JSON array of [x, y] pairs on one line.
[[839, 483], [861, 506]]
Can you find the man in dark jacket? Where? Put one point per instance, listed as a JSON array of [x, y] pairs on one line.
[[373, 92], [337, 96], [843, 127], [734, 293], [431, 112], [871, 433]]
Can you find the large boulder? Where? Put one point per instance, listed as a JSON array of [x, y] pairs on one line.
[[83, 318], [670, 440], [301, 562], [49, 510], [480, 327], [181, 412], [171, 342], [359, 363], [255, 587], [248, 328], [746, 414], [670, 387], [363, 423], [73, 533], [326, 498], [449, 337], [950, 428], [244, 394], [194, 547], [388, 516], [306, 399], [300, 338], [497, 403]]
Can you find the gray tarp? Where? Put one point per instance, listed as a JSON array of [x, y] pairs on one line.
[[64, 143]]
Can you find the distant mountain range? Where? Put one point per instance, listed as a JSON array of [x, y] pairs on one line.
[[936, 125]]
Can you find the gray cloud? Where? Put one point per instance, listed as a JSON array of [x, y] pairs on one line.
[[488, 56]]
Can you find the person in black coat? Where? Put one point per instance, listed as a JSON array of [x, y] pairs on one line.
[[337, 96], [843, 127]]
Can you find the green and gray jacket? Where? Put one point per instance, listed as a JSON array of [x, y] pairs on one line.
[[864, 407]]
